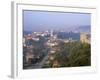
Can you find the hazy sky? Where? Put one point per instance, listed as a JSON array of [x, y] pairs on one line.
[[42, 20]]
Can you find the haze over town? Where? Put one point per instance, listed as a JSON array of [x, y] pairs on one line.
[[45, 20]]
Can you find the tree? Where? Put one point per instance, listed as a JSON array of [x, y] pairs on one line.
[[74, 54]]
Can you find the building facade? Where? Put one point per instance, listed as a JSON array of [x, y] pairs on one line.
[[85, 37]]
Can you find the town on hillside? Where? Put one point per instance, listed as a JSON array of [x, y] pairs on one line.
[[55, 49]]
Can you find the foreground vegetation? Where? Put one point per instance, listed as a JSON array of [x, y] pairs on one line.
[[72, 54]]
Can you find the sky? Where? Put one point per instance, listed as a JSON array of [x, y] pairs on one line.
[[46, 20]]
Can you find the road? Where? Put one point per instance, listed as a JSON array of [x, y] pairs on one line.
[[40, 64]]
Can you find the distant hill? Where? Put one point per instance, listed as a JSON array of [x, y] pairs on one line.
[[77, 29], [86, 28], [26, 32]]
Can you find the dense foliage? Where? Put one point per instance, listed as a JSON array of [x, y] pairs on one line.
[[73, 54]]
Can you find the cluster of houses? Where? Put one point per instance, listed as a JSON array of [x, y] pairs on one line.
[[51, 42]]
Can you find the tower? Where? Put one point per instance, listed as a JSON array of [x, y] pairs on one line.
[[84, 37], [51, 33]]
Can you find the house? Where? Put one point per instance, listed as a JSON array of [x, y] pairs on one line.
[[29, 57]]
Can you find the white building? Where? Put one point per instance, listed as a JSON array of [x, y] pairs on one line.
[[35, 39]]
